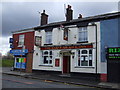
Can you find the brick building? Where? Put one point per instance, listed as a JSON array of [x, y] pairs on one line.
[[74, 46]]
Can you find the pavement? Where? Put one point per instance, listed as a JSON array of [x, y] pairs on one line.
[[62, 78]]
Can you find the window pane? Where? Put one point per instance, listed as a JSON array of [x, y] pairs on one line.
[[90, 57], [90, 51], [84, 63], [79, 52], [50, 52], [21, 40], [78, 62], [17, 59], [84, 28], [50, 62], [48, 37], [50, 57], [84, 51], [90, 62], [83, 36], [45, 60], [46, 52]]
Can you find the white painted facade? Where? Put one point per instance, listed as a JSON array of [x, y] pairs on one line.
[[57, 39]]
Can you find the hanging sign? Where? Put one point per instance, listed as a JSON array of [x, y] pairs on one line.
[[38, 40], [11, 46], [11, 40], [65, 34], [113, 53]]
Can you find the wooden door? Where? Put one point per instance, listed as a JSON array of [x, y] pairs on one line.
[[66, 64]]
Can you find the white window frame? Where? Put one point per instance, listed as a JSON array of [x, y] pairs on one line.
[[82, 34], [21, 40], [48, 57], [48, 38], [89, 57]]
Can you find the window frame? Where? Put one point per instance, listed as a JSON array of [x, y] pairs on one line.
[[21, 40], [48, 37], [83, 37], [49, 58], [79, 64]]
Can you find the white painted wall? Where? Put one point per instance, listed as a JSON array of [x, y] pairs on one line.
[[73, 35], [37, 64], [72, 39]]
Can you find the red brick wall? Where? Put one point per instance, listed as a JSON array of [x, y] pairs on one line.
[[29, 41]]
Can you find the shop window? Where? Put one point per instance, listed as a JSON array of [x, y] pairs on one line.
[[20, 62], [49, 37], [85, 58], [21, 40], [47, 57], [82, 34]]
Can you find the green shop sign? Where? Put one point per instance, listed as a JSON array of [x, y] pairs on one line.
[[113, 53]]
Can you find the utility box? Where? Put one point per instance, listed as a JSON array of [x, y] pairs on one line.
[[113, 64]]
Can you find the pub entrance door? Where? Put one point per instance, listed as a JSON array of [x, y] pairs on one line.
[[66, 64]]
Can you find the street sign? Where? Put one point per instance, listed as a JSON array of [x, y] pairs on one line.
[[19, 51], [11, 40], [11, 46]]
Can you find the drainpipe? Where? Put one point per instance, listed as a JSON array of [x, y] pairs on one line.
[[96, 46], [93, 24]]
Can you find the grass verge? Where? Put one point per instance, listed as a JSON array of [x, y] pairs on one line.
[[6, 63]]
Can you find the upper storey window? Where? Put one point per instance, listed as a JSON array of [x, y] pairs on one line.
[[82, 34], [21, 40], [49, 37]]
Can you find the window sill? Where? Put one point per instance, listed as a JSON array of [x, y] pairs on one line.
[[84, 67], [48, 44], [46, 65], [20, 46], [82, 42]]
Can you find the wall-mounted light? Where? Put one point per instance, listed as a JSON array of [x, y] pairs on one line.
[[36, 54], [60, 53], [74, 36]]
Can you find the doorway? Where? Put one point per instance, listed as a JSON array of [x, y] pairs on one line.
[[66, 64]]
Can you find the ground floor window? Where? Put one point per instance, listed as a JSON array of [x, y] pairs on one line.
[[47, 57], [85, 57], [20, 62]]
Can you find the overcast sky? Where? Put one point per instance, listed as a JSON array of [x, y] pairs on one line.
[[20, 15]]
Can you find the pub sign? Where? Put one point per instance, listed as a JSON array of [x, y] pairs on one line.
[[113, 53]]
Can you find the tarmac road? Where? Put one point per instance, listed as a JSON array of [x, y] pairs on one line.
[[9, 81]]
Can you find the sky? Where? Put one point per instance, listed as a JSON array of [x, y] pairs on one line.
[[16, 16]]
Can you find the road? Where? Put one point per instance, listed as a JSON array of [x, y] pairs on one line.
[[9, 81]]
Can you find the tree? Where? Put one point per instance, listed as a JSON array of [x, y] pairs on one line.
[[8, 56]]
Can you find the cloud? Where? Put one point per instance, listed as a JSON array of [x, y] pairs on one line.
[[20, 15], [4, 45]]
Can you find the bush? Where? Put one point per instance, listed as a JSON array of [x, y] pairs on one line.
[[7, 63]]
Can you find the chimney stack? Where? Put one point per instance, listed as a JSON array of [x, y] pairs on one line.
[[44, 18], [80, 16], [69, 13]]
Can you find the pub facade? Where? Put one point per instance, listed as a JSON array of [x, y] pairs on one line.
[[72, 46]]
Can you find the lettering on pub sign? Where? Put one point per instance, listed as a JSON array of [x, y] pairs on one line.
[[113, 53]]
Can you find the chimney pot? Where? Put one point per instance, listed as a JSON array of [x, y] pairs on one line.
[[80, 16], [43, 11], [69, 6]]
